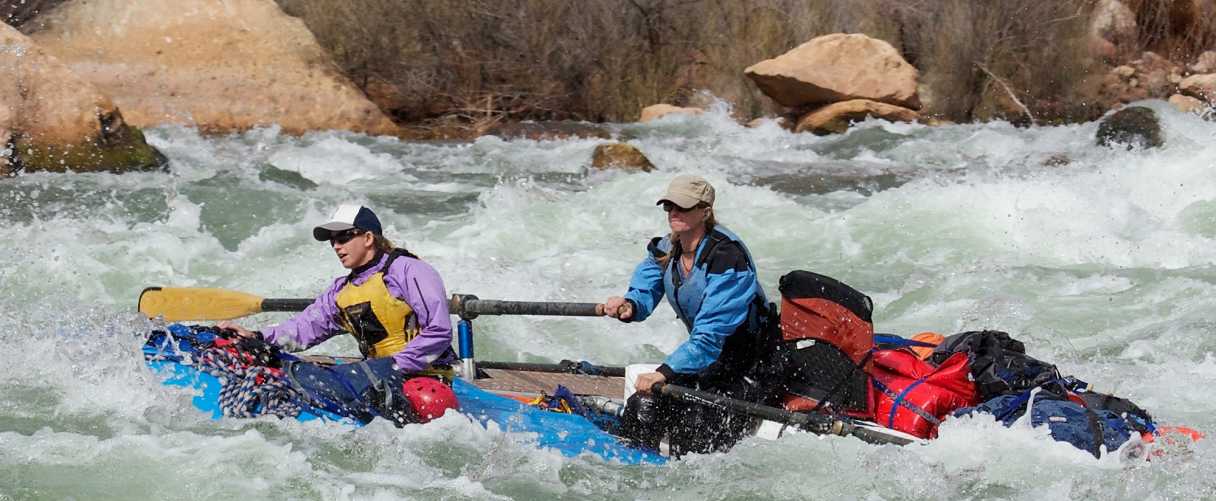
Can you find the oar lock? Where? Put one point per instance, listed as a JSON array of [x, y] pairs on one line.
[[457, 306]]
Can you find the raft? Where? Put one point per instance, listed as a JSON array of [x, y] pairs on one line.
[[171, 353], [505, 396]]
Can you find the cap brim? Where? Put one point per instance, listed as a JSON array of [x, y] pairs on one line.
[[685, 202], [327, 230]]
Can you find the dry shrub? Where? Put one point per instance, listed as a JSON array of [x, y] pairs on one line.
[[730, 35], [482, 60], [556, 59], [1029, 54], [1177, 29], [603, 60]]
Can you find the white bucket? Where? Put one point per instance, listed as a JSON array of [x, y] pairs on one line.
[[632, 372]]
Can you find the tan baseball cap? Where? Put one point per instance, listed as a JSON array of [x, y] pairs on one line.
[[687, 191]]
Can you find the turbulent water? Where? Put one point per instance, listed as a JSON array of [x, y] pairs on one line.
[[1103, 265]]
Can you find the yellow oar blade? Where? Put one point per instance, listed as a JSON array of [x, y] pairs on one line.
[[177, 304]]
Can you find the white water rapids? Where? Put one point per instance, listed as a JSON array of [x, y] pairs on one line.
[[1104, 266]]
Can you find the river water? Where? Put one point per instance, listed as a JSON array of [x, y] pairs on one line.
[[1102, 265]]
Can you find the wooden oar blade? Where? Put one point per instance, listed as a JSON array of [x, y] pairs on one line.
[[178, 304]]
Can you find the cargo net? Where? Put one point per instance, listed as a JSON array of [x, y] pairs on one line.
[[247, 389]]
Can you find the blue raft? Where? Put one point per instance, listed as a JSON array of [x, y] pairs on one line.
[[571, 434]]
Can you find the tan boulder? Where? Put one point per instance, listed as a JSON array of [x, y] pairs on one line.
[[1157, 83], [835, 118], [1187, 104], [620, 156], [57, 121], [656, 111], [838, 67], [221, 66], [1151, 61], [1200, 86], [1205, 63]]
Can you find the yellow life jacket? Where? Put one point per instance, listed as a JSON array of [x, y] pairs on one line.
[[381, 323]]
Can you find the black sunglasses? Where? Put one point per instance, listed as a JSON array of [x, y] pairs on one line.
[[668, 207], [342, 238]]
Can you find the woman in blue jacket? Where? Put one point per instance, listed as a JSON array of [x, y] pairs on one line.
[[709, 279]]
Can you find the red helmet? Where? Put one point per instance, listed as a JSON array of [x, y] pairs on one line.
[[429, 396]]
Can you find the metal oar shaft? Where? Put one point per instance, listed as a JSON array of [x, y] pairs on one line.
[[468, 306], [814, 423], [285, 304], [562, 368]]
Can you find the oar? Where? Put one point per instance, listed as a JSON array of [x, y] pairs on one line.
[[469, 306], [815, 423], [565, 367], [178, 304]]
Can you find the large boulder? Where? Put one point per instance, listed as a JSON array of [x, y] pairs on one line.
[[620, 156], [1188, 104], [1200, 86], [221, 66], [657, 111], [1134, 126], [56, 121], [1154, 74], [835, 118], [835, 68]]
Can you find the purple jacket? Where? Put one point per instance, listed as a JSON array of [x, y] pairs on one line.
[[409, 279]]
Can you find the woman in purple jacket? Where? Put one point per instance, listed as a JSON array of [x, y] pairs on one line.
[[393, 303]]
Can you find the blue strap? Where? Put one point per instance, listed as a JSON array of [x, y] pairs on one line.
[[892, 339], [898, 401]]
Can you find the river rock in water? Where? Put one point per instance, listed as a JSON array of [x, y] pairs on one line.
[[1134, 126], [620, 156]]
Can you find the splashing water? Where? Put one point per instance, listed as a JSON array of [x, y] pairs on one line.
[[1103, 266]]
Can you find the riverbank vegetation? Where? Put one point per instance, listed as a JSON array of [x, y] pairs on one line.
[[483, 60]]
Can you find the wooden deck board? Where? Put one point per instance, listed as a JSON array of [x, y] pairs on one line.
[[545, 382], [524, 382]]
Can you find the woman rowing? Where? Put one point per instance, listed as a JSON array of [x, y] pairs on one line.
[[709, 278], [395, 306]]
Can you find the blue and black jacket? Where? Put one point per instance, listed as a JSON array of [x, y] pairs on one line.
[[720, 302]]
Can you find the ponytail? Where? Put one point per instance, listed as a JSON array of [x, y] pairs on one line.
[[386, 246]]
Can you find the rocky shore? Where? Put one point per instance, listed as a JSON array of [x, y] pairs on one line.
[[88, 74]]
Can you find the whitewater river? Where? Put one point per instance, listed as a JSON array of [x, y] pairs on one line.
[[1104, 265]]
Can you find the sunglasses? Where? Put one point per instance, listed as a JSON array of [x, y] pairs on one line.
[[346, 236], [668, 207]]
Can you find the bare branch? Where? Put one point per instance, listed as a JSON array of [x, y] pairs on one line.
[[1008, 91]]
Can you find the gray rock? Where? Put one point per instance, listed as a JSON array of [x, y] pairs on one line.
[[1134, 126]]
